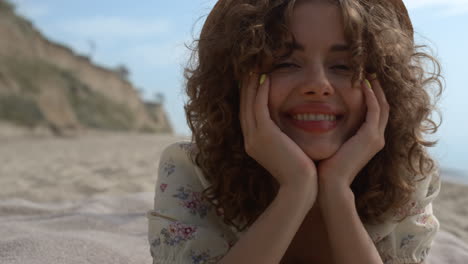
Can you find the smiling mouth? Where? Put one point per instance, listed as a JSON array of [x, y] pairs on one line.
[[315, 123], [315, 117]]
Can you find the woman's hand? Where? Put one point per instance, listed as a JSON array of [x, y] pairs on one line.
[[340, 169], [267, 144]]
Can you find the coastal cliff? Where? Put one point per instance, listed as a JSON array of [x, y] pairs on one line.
[[48, 86]]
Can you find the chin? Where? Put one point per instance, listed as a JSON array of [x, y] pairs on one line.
[[320, 152], [316, 156]]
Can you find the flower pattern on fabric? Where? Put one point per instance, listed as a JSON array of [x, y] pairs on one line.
[[179, 192], [203, 257], [385, 254], [427, 220], [405, 241], [193, 201], [168, 167], [387, 259], [188, 147], [376, 237], [409, 210], [176, 233], [155, 243], [163, 187]]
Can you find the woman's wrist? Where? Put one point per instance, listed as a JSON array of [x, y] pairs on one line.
[[306, 192], [329, 194], [268, 238]]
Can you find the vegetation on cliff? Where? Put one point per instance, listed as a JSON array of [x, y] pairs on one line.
[[44, 83]]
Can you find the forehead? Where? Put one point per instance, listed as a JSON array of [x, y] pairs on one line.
[[317, 23]]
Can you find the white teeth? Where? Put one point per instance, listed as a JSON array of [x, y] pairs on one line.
[[313, 117]]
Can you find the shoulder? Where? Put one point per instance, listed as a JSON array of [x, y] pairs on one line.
[[426, 190], [176, 160], [407, 235], [180, 151], [180, 184], [183, 224]]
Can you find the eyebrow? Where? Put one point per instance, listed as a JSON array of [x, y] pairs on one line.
[[333, 48]]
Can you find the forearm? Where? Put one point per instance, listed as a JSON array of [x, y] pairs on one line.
[[268, 238], [350, 242]]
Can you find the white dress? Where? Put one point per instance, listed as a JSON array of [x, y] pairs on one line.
[[184, 228]]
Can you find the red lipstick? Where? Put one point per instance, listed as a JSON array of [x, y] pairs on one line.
[[315, 126]]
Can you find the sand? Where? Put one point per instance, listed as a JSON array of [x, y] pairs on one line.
[[451, 208], [99, 175], [48, 169]]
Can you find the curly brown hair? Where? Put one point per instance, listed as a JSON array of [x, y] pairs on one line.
[[241, 35]]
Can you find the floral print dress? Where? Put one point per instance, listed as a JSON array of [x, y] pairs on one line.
[[184, 228]]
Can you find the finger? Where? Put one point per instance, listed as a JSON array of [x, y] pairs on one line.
[[373, 109], [242, 110], [261, 101], [251, 93], [383, 104], [247, 118]]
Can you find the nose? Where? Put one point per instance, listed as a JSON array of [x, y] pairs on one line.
[[316, 83]]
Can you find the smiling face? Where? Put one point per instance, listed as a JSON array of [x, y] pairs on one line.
[[316, 79]]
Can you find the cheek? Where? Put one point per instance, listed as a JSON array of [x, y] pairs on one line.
[[275, 100], [277, 97], [359, 105]]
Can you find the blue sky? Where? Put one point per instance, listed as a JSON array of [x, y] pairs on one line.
[[149, 37]]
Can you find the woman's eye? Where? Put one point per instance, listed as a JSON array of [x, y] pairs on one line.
[[341, 67], [285, 65]]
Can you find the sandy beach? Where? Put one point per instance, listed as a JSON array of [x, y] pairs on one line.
[[58, 170], [451, 209], [49, 169]]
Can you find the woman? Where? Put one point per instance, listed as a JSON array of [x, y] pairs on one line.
[[307, 120]]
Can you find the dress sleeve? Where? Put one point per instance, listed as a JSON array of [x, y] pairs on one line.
[[410, 240], [183, 227]]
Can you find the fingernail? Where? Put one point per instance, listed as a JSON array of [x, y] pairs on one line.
[[367, 83], [373, 76], [262, 78]]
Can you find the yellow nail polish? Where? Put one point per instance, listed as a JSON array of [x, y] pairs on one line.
[[262, 79], [368, 84], [373, 76]]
